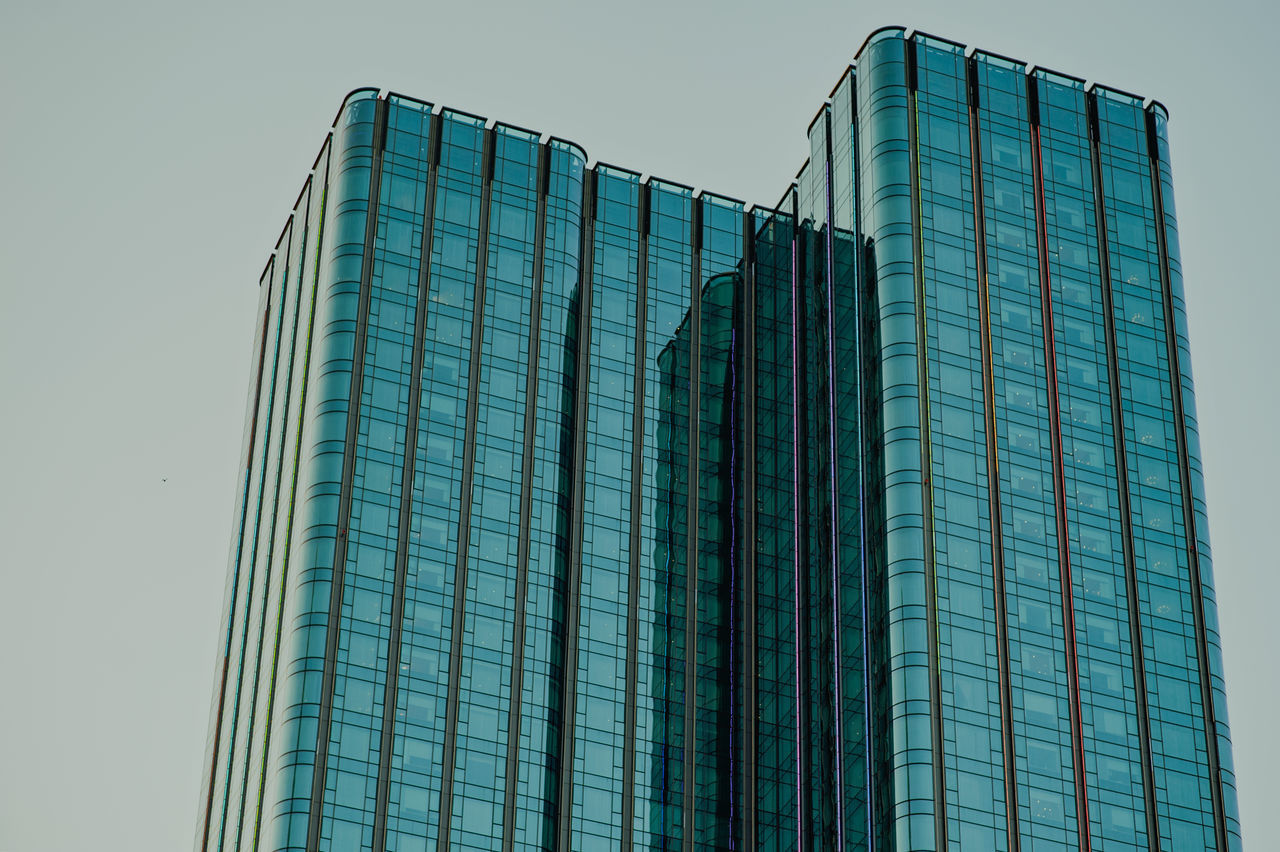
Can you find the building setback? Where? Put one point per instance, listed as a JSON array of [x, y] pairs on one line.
[[586, 512]]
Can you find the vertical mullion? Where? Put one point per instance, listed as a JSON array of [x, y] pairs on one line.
[[574, 580], [323, 189], [633, 555], [239, 736], [1122, 482], [993, 477], [833, 473], [247, 455], [406, 491], [860, 442], [797, 589], [515, 698], [468, 479], [750, 711], [286, 363], [1193, 551], [926, 451], [691, 531], [348, 473], [1059, 477]]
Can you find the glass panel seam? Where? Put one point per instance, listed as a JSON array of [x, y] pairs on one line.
[[468, 480], [1059, 477], [1184, 471], [749, 536], [798, 592], [573, 582], [1122, 481], [833, 480], [239, 547], [526, 500], [348, 473], [293, 488], [303, 204], [859, 394], [237, 729], [691, 529], [633, 566], [993, 477], [926, 452], [394, 642]]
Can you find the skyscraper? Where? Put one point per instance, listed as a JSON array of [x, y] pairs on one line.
[[581, 511]]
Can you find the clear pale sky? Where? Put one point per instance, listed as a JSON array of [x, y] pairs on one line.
[[150, 152]]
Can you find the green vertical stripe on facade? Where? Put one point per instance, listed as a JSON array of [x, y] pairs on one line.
[[217, 712], [254, 586], [273, 564], [1188, 508], [318, 193]]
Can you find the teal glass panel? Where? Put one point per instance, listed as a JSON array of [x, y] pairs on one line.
[[853, 777], [1032, 554], [283, 295], [418, 734], [1178, 746], [859, 488], [778, 799], [956, 446], [307, 280], [663, 757], [542, 682], [210, 793], [484, 676], [1213, 641], [228, 783], [816, 589], [906, 808], [324, 442], [243, 664], [285, 414], [364, 624], [1095, 534], [719, 457], [596, 805]]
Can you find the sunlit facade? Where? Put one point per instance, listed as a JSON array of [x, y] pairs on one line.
[[580, 511]]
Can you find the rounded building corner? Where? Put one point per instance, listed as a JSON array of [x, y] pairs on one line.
[[880, 34], [691, 402], [358, 94], [571, 148]]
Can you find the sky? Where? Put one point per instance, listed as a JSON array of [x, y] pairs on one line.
[[151, 152]]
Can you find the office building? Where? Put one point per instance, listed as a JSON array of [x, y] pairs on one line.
[[581, 511]]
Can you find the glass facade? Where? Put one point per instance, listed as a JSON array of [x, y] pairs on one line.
[[585, 511]]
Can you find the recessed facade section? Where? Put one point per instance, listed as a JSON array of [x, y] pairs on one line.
[[581, 511]]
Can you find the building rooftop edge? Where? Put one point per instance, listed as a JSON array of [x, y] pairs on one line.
[[876, 35]]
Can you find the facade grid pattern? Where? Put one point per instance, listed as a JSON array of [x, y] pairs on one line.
[[580, 510]]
